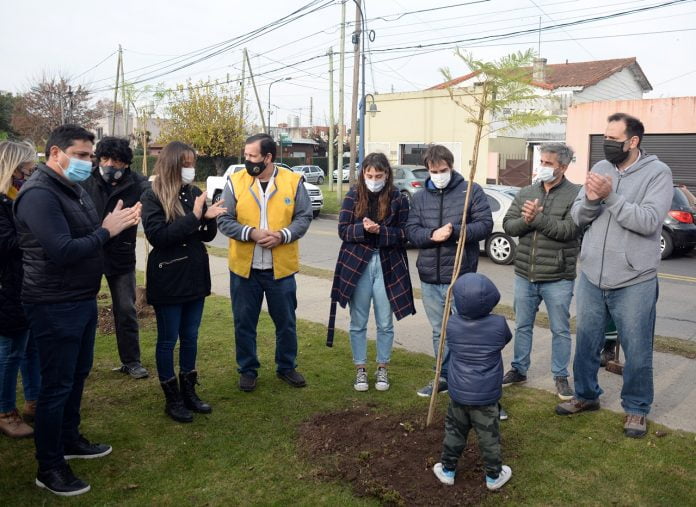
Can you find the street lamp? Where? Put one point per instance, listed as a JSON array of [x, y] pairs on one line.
[[269, 100], [373, 111]]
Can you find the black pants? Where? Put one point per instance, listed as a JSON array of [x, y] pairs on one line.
[[484, 420], [122, 288]]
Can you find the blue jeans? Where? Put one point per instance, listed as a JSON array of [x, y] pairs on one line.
[[13, 357], [633, 310], [281, 297], [556, 296], [433, 297], [371, 287], [180, 321], [64, 334]]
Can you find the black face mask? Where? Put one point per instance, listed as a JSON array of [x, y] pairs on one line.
[[254, 168], [614, 152], [112, 175]]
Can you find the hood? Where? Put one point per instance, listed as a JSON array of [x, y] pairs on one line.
[[474, 295]]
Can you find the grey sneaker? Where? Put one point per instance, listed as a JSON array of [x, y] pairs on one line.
[[575, 406], [135, 370], [563, 389], [382, 379], [635, 426], [427, 391], [361, 383], [513, 377]]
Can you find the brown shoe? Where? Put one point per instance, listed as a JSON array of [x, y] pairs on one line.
[[13, 426], [635, 426], [29, 411], [576, 406]]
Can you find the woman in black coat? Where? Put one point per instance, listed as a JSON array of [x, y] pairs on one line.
[[176, 223]]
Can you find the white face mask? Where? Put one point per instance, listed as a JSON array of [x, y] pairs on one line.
[[546, 174], [374, 185], [441, 180], [188, 174]]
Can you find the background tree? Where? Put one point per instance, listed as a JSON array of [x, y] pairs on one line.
[[205, 115], [52, 101], [6, 106]]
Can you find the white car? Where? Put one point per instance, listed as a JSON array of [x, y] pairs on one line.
[[215, 184], [346, 172], [311, 173], [499, 247]]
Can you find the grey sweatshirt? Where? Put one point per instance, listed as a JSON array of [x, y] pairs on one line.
[[621, 245]]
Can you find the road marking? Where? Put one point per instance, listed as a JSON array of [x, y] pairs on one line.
[[681, 278]]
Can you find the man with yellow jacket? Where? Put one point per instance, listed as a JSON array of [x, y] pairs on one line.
[[268, 210]]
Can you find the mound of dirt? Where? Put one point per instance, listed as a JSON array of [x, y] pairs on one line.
[[390, 456], [145, 312]]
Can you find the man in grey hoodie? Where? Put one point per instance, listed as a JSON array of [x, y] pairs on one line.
[[625, 199]]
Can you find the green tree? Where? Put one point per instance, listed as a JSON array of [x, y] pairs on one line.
[[6, 106], [207, 116]]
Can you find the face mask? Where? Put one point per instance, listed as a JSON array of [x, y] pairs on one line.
[[546, 174], [254, 168], [614, 152], [110, 174], [77, 170], [374, 185], [188, 174], [441, 180]]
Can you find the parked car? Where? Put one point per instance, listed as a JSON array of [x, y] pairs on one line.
[[311, 173], [215, 185], [506, 189], [409, 179], [678, 229], [499, 247], [346, 172]]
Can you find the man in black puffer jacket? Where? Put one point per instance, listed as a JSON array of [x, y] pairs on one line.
[[434, 226], [544, 263], [112, 180]]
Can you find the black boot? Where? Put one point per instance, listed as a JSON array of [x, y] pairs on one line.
[[175, 404], [188, 393]]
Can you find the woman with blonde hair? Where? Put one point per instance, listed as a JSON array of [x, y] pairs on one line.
[[177, 222], [17, 350]]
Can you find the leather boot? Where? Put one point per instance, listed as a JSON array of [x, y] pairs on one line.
[[29, 411], [175, 404], [188, 393], [12, 425]]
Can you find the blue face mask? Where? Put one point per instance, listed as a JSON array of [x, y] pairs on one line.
[[77, 170]]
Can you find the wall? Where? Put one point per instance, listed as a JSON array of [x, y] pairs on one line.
[[621, 85], [674, 115]]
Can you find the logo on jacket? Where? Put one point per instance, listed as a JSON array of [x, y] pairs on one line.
[[288, 201]]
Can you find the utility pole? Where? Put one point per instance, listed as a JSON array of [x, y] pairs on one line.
[[126, 106], [341, 94], [330, 165], [70, 104], [242, 99], [354, 103], [253, 83], [118, 75], [311, 111]]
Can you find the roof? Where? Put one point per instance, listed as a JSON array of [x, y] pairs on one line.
[[575, 74]]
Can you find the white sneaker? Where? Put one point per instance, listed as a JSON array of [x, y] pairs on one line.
[[446, 477], [361, 383], [503, 477], [382, 380]]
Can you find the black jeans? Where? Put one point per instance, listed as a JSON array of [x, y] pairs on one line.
[[122, 288], [64, 334]]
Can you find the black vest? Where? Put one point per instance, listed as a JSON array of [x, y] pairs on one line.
[[12, 319], [44, 280]]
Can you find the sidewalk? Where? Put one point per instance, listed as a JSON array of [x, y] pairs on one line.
[[675, 376]]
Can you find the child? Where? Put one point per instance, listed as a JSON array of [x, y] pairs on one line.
[[475, 378]]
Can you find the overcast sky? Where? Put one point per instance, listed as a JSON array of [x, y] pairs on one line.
[[80, 39]]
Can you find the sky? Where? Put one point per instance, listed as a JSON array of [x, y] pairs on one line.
[[412, 41]]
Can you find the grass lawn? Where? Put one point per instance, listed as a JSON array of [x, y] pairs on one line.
[[332, 205], [245, 452]]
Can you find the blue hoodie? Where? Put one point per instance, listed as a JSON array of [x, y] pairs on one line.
[[475, 339]]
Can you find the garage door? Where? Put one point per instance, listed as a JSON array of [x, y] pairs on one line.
[[678, 151]]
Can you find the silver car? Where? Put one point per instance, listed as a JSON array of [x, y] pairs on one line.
[[409, 179], [499, 247], [312, 173]]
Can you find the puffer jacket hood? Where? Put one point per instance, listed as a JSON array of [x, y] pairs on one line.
[[475, 296]]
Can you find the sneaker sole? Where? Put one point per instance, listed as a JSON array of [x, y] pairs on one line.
[[521, 382], [382, 387], [361, 387], [88, 456], [564, 412], [499, 485], [564, 397], [63, 493]]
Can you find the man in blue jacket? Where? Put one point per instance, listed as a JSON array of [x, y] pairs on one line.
[[434, 226]]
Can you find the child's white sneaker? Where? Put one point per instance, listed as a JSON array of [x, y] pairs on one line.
[[445, 476], [503, 477], [360, 383]]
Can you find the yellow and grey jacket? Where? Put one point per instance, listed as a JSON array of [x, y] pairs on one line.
[[284, 207]]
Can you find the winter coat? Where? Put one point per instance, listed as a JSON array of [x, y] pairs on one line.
[[431, 208], [549, 245], [357, 249], [475, 338], [119, 251], [12, 318], [177, 268]]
